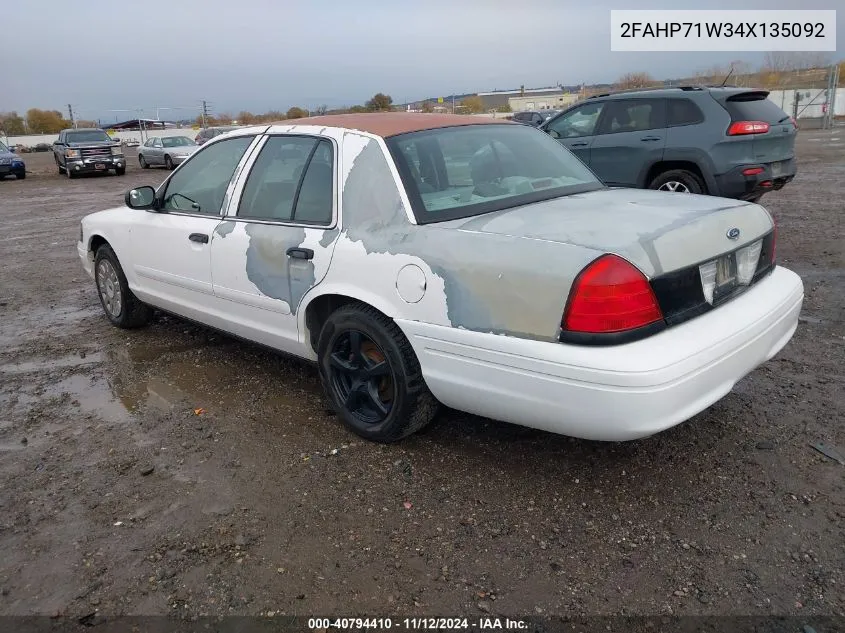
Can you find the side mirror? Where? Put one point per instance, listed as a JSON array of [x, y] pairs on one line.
[[140, 198]]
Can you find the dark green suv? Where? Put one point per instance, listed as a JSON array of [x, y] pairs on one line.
[[725, 141]]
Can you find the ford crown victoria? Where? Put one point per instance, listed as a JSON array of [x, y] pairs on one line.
[[422, 259]]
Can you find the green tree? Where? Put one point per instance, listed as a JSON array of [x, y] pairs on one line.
[[380, 102], [45, 121], [473, 104], [296, 113], [12, 124]]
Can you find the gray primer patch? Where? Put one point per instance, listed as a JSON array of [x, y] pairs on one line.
[[224, 228], [329, 236], [271, 270], [493, 282]]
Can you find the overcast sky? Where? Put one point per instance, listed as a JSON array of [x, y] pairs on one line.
[[271, 54]]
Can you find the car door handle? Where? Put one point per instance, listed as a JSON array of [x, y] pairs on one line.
[[300, 253], [650, 138], [581, 144], [202, 238]]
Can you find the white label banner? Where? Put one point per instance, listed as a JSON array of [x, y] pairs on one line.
[[711, 30]]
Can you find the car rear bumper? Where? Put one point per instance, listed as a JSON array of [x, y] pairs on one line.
[[735, 184], [615, 393]]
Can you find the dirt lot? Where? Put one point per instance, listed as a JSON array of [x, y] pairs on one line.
[[117, 497]]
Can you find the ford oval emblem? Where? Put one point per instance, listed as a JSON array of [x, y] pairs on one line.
[[733, 233]]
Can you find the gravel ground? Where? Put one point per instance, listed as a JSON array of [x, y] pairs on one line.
[[173, 470]]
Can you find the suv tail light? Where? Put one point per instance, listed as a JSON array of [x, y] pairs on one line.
[[610, 295], [738, 128]]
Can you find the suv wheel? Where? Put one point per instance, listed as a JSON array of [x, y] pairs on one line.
[[678, 181]]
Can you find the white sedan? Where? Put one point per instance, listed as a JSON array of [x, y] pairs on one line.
[[423, 259]]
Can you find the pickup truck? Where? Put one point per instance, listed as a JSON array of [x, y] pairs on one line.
[[82, 151]]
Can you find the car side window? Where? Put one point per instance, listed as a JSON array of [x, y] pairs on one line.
[[157, 142], [683, 112], [199, 185], [578, 122], [632, 115], [291, 181]]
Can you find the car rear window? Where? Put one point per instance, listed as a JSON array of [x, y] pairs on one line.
[[754, 106], [466, 170]]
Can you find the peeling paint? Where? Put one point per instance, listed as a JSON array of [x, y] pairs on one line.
[[271, 270], [224, 228], [491, 282]]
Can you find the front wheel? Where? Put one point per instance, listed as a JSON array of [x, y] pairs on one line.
[[143, 162], [371, 375], [677, 181], [120, 171], [122, 307], [168, 163], [21, 176]]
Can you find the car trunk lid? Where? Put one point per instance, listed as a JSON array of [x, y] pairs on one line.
[[659, 232]]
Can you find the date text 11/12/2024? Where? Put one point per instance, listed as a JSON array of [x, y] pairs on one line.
[[417, 624]]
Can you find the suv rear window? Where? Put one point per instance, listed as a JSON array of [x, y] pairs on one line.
[[754, 106]]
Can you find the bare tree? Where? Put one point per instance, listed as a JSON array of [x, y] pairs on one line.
[[634, 80], [321, 109]]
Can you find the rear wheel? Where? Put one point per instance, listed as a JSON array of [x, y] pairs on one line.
[[678, 181], [122, 307], [371, 375]]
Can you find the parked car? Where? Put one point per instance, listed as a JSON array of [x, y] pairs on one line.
[[11, 164], [41, 147], [730, 142], [87, 150], [208, 133], [533, 117], [168, 151], [423, 258]]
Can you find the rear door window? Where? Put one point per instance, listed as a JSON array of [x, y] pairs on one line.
[[632, 115]]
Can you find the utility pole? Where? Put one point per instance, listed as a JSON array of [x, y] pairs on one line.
[[205, 113], [70, 112]]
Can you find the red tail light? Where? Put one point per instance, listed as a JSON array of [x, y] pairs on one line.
[[610, 295], [748, 127], [752, 171]]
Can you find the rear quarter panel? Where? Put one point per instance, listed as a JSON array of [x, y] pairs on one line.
[[477, 281]]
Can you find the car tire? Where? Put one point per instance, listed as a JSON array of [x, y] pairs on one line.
[[58, 165], [144, 164], [677, 180], [20, 176], [120, 171], [384, 406], [168, 163], [121, 307], [69, 172], [755, 199]]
